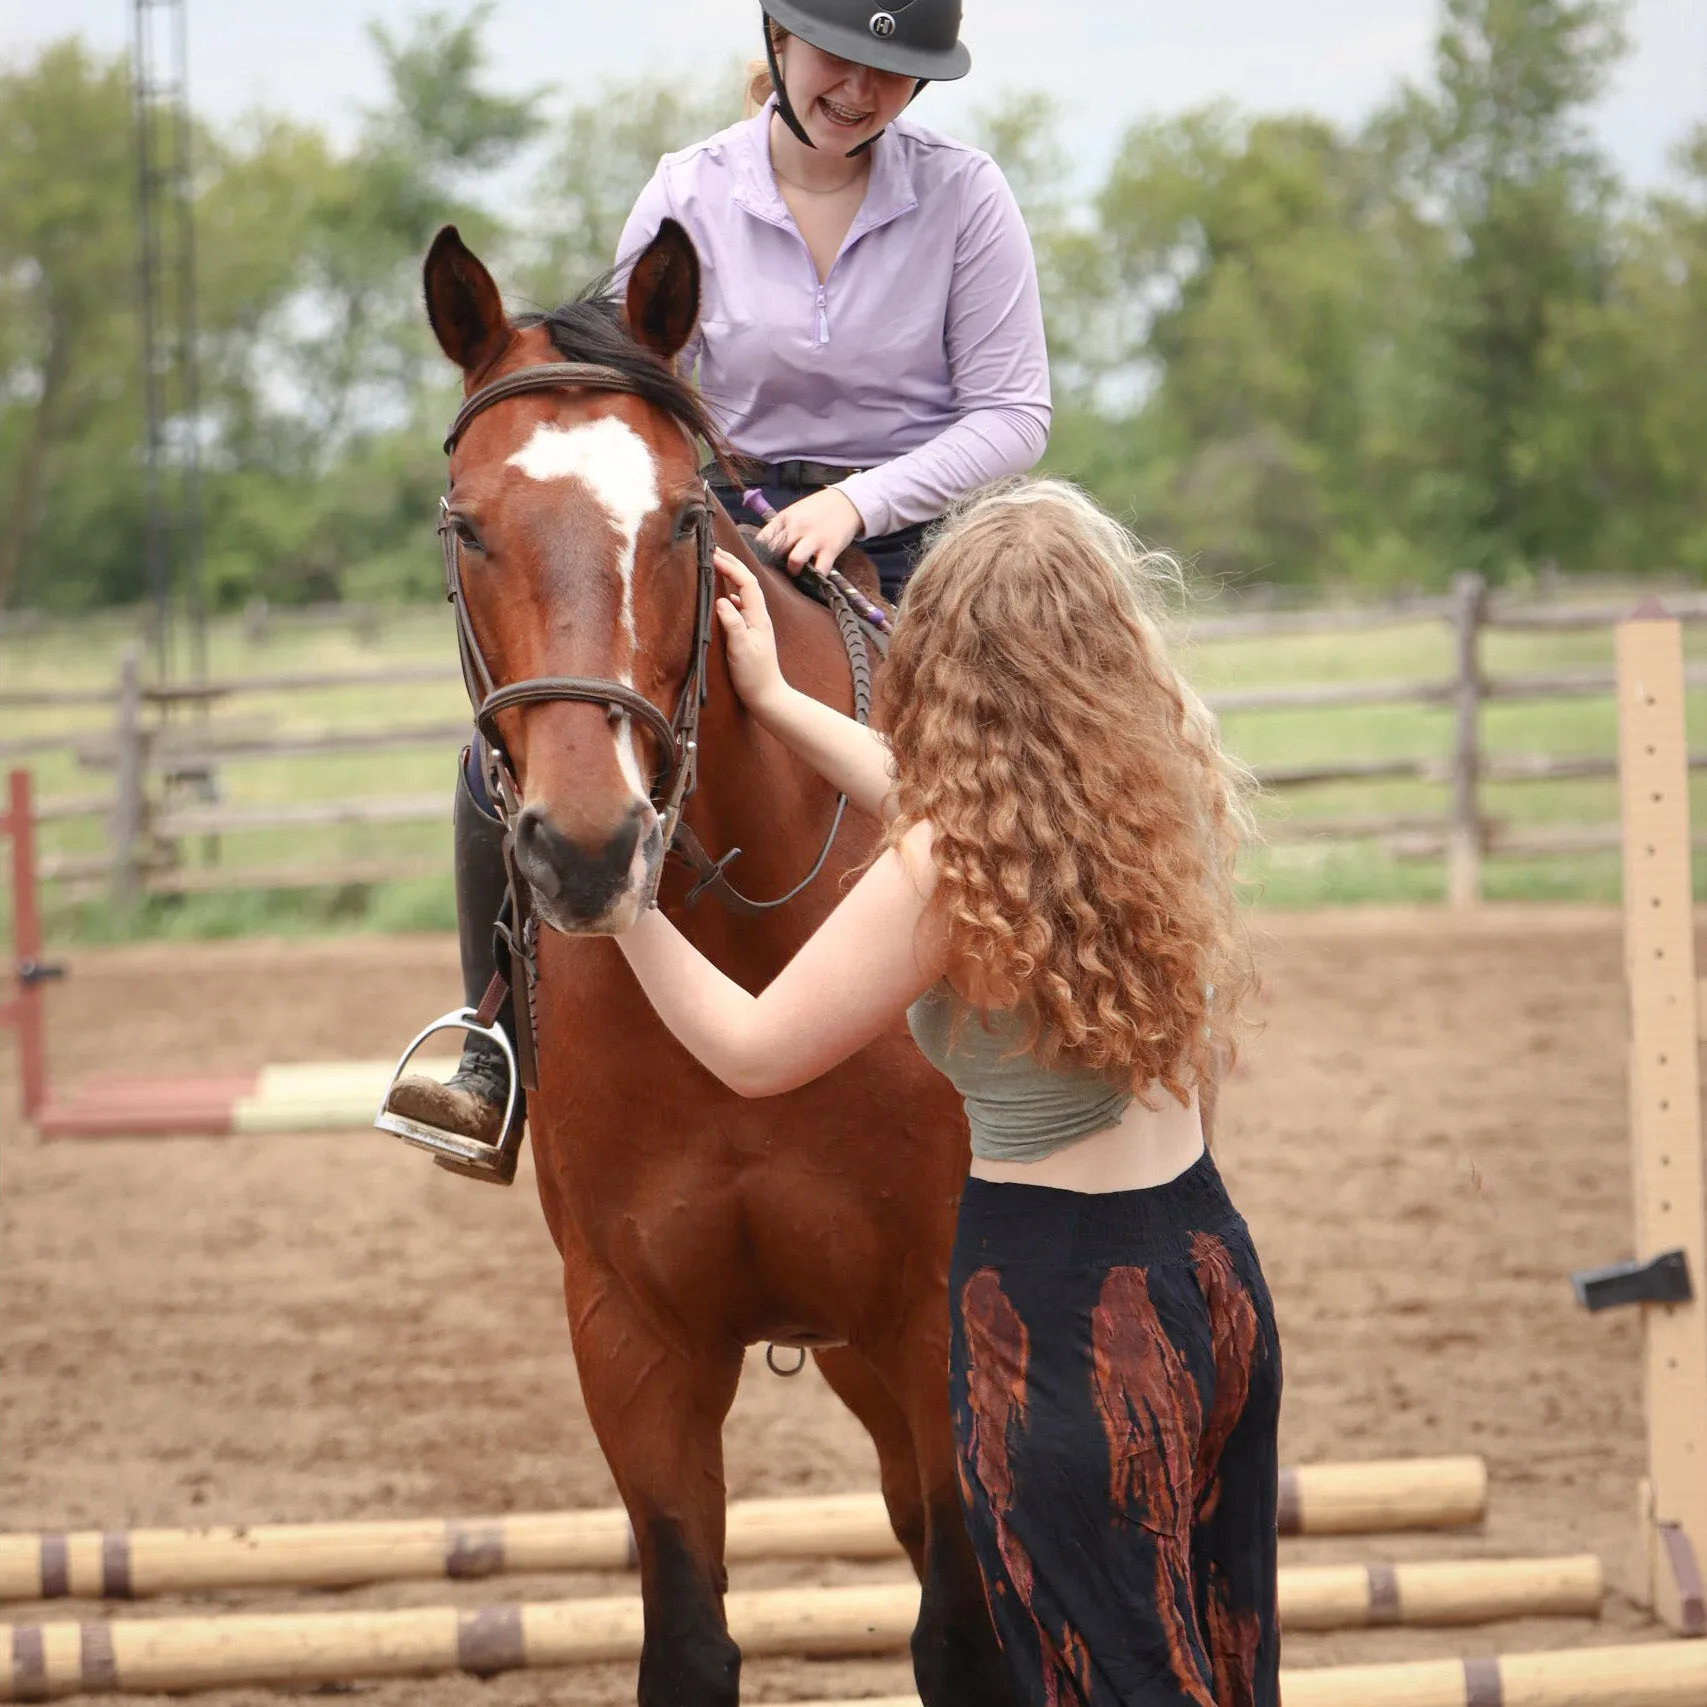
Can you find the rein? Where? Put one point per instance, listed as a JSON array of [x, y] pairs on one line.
[[677, 735]]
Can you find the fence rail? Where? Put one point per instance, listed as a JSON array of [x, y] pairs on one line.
[[161, 733]]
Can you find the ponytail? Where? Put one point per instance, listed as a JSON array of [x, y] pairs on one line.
[[757, 89]]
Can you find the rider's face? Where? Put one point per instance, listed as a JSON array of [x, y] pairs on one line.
[[840, 104]]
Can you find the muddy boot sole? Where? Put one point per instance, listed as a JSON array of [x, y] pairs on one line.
[[501, 1170], [451, 1108], [448, 1107]]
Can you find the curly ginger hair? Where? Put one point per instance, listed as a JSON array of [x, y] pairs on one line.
[[1085, 819]]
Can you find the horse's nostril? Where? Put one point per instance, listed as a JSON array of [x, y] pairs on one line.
[[585, 880], [535, 851], [531, 829]]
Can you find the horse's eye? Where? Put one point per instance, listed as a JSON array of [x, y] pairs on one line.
[[687, 523], [465, 532]]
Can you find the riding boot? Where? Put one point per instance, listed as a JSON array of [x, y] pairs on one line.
[[471, 1102]]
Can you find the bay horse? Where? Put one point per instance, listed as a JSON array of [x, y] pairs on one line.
[[691, 1223]]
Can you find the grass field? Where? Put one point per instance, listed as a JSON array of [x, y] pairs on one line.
[[1311, 873]]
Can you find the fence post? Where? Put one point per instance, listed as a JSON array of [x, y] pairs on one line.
[[129, 765], [1464, 841]]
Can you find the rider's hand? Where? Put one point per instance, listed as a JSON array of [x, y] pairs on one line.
[[748, 635], [814, 531]]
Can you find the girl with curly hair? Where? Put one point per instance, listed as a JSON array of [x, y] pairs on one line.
[[1053, 907]]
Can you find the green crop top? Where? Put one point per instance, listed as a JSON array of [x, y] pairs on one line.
[[1019, 1111]]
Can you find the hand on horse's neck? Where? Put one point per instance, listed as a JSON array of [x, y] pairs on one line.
[[754, 794], [822, 193]]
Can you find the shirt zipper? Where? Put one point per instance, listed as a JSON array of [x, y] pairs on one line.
[[823, 317]]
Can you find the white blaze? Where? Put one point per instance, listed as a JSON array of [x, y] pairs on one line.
[[613, 462]]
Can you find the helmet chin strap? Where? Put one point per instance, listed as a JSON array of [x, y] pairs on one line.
[[783, 105], [785, 108]]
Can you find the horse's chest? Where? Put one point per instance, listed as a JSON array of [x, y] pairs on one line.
[[777, 1216], [782, 1230]]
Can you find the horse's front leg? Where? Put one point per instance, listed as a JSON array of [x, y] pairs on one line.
[[956, 1658], [657, 1406]]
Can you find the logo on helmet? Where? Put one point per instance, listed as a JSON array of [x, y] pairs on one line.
[[882, 25]]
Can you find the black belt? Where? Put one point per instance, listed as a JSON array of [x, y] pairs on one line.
[[796, 474]]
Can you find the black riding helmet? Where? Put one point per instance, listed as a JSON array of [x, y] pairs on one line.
[[917, 38]]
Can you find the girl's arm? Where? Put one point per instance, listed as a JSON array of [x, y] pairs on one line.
[[872, 957], [853, 759]]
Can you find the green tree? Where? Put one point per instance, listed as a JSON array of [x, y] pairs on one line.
[[1620, 440], [327, 381], [358, 344], [601, 154], [1023, 134], [68, 384], [318, 374], [1499, 160], [1248, 292]]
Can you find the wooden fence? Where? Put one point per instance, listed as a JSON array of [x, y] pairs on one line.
[[165, 736]]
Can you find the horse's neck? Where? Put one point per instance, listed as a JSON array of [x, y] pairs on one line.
[[752, 793]]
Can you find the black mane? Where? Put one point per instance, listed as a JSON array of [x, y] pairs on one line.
[[592, 329]]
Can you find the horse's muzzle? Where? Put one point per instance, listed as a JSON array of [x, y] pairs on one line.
[[582, 890]]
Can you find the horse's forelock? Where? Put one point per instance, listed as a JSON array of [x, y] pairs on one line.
[[591, 329]]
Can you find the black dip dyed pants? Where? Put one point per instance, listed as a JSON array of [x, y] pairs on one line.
[[1116, 1390]]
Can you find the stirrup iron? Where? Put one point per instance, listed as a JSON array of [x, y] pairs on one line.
[[454, 1149]]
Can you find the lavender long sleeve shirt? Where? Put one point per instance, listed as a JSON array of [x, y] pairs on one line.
[[920, 360]]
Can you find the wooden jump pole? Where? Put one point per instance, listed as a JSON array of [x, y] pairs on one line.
[[1661, 1674], [331, 1555], [1669, 1273], [1315, 1499], [1383, 1496], [1436, 1592], [39, 1661]]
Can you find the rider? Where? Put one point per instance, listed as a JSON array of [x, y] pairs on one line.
[[870, 331], [870, 338]]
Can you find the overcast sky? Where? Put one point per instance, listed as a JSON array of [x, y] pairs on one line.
[[1109, 60]]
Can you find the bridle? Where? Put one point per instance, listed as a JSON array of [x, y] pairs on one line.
[[678, 735]]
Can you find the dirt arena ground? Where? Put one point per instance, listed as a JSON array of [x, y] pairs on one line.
[[1427, 1136]]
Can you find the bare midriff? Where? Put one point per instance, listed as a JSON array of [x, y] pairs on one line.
[[1148, 1146]]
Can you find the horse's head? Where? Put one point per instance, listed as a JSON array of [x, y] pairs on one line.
[[575, 518]]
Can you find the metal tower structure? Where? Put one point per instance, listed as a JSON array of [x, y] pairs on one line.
[[170, 388]]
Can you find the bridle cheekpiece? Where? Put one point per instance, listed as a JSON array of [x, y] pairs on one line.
[[677, 736]]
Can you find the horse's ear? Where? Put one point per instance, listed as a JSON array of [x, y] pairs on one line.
[[463, 304], [663, 292]]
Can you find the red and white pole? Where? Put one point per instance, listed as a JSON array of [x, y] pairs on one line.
[[23, 1010]]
